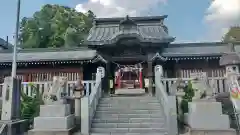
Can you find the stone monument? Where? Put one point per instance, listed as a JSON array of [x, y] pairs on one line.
[[204, 115], [55, 115]]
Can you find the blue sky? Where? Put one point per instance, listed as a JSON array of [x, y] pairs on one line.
[[185, 17]]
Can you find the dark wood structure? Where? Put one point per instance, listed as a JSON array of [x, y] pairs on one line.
[[4, 44], [115, 42]]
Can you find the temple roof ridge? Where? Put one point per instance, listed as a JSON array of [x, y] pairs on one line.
[[117, 20]]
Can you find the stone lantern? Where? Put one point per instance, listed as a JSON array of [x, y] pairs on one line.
[[78, 89], [230, 60]]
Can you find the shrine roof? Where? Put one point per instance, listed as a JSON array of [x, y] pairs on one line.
[[108, 31], [3, 44], [116, 20], [47, 54], [198, 49]]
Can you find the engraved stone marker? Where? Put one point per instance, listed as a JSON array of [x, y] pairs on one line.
[[11, 99]]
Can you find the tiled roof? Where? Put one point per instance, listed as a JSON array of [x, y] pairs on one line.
[[198, 49], [47, 54], [144, 29], [4, 45], [173, 51], [229, 59]]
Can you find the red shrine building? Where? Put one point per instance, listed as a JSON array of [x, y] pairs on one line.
[[128, 48]]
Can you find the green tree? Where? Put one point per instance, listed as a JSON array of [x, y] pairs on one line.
[[55, 26], [233, 34]]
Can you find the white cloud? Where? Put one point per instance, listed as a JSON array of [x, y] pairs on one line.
[[119, 8], [222, 14]]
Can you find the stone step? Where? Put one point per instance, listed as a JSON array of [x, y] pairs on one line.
[[129, 120], [129, 133], [128, 125], [129, 98], [97, 115], [124, 108], [128, 130], [129, 105], [127, 111], [132, 100]]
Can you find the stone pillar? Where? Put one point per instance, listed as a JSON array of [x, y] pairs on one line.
[[11, 106], [85, 123], [11, 99], [150, 78], [86, 117], [77, 106]]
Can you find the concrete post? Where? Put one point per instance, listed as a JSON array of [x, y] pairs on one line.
[[85, 123]]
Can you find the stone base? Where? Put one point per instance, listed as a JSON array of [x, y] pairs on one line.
[[204, 107], [212, 132], [207, 121], [51, 132], [61, 110], [58, 123]]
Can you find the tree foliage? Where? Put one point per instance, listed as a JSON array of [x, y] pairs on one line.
[[55, 26], [233, 34], [189, 94]]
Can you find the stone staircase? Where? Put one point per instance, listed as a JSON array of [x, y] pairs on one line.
[[131, 115]]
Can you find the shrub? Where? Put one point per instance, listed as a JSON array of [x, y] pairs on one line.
[[189, 94], [30, 105]]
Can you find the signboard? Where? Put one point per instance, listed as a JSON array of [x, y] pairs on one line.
[[101, 70], [158, 68]]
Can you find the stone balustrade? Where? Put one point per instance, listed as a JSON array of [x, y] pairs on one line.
[[168, 103], [89, 105]]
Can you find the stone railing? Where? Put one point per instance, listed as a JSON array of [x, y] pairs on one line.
[[28, 89], [89, 105], [168, 103], [218, 84]]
